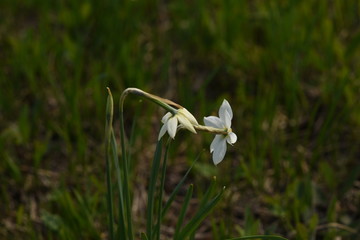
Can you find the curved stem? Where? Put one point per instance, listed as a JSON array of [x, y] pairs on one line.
[[164, 103]]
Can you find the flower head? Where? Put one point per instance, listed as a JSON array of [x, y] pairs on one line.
[[170, 121], [218, 145]]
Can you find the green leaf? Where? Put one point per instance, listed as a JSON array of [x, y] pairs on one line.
[[251, 225], [161, 190], [111, 152], [208, 193], [151, 192], [122, 221], [108, 130], [125, 170], [143, 236], [177, 188], [265, 237], [205, 199], [200, 216], [183, 211]]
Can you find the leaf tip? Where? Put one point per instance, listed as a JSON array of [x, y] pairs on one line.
[[108, 89]]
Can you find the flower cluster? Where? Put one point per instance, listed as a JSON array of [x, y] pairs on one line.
[[170, 121], [220, 125]]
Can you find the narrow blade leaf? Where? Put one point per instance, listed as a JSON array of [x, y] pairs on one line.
[[143, 236], [200, 216], [152, 184], [177, 188], [269, 237], [183, 211], [119, 178], [205, 199], [163, 174], [109, 195]]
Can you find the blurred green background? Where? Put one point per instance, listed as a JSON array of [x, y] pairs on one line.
[[290, 69]]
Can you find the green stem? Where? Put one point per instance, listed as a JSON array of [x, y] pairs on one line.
[[125, 164], [161, 191], [122, 217], [108, 127], [167, 105], [152, 187], [211, 129], [164, 103]]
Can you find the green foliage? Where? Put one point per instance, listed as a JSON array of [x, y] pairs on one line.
[[151, 193], [259, 237]]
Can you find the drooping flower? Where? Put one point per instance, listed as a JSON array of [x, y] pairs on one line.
[[218, 145], [170, 121]]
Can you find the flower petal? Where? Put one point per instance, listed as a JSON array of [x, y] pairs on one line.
[[188, 115], [225, 106], [186, 123], [166, 117], [172, 126], [162, 130], [227, 119], [219, 152], [217, 141], [214, 122], [231, 138]]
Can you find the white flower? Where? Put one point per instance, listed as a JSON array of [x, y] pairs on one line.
[[183, 116], [218, 145]]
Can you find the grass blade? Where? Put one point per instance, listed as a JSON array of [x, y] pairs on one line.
[[132, 137], [163, 173], [200, 216], [209, 192], [183, 211], [143, 236], [108, 130], [122, 221], [151, 192], [125, 169], [270, 237], [206, 198], [177, 188]]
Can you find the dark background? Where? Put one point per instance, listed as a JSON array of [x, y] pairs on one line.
[[290, 70]]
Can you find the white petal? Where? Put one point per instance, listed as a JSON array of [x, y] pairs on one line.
[[231, 138], [166, 117], [227, 119], [172, 126], [162, 130], [188, 115], [225, 106], [217, 141], [219, 152], [186, 123], [214, 122]]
